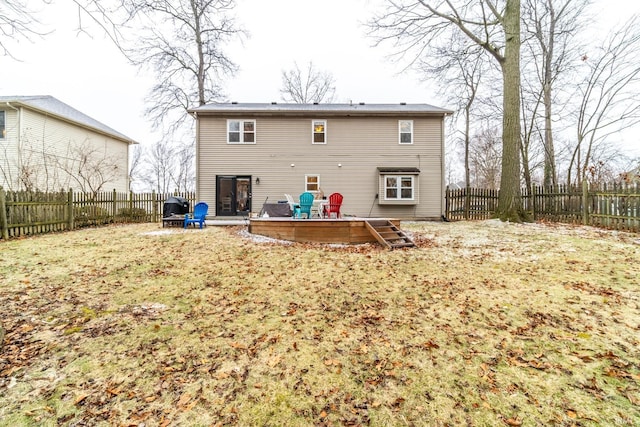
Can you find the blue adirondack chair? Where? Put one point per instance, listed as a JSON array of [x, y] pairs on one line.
[[306, 202], [198, 216]]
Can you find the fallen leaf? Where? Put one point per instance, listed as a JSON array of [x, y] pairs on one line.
[[184, 399], [80, 398]]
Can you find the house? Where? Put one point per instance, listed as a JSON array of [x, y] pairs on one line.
[[387, 160], [47, 145]]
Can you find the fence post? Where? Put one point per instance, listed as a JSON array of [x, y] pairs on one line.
[[154, 207], [114, 209], [585, 200], [3, 215], [70, 209], [446, 202], [533, 201], [467, 202]]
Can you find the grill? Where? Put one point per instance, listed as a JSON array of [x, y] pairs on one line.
[[175, 205]]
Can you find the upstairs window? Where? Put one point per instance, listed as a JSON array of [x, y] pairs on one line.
[[241, 131], [406, 131], [319, 132], [3, 130]]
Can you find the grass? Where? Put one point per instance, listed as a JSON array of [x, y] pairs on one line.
[[483, 324]]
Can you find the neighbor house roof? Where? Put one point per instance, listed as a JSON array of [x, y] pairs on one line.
[[49, 105], [351, 109]]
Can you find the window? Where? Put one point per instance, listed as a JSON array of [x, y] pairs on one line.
[[398, 187], [241, 131], [3, 130], [319, 132], [312, 183], [406, 131]]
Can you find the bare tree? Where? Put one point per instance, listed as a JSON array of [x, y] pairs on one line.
[[16, 21], [416, 26], [550, 27], [182, 177], [160, 163], [136, 164], [183, 44], [459, 67], [90, 166], [307, 86], [485, 158], [609, 95]]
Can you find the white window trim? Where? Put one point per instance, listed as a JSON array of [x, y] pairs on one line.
[[399, 188], [242, 122], [313, 133], [306, 182], [400, 132]]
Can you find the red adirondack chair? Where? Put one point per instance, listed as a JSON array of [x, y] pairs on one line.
[[333, 207]]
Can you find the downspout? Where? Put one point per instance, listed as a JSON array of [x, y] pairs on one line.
[[197, 146], [18, 133], [442, 169]]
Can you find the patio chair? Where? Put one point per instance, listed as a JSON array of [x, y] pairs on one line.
[[333, 206], [198, 216], [306, 202], [293, 205]]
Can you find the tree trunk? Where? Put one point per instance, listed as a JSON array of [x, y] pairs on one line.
[[550, 177], [510, 198]]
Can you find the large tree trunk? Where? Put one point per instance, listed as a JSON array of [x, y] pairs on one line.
[[549, 151], [510, 199]]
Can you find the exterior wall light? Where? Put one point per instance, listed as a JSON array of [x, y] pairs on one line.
[[258, 180], [339, 165], [293, 165]]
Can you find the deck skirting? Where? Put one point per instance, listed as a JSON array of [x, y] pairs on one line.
[[343, 230]]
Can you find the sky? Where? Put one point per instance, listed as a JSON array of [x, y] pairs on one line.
[[87, 71]]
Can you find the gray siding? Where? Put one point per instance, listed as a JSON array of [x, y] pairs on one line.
[[359, 144]]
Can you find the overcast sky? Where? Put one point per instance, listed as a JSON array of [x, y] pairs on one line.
[[88, 72]]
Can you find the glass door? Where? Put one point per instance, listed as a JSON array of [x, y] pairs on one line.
[[233, 195]]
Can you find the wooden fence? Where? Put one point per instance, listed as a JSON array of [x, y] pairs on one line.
[[27, 213], [615, 206]]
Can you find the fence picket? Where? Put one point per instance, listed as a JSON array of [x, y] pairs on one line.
[[609, 206], [29, 213]]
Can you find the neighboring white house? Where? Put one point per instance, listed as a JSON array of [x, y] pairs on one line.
[[46, 145]]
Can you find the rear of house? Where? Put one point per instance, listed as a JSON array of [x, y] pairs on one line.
[[386, 160]]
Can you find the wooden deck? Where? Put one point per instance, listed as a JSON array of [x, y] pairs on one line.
[[343, 230]]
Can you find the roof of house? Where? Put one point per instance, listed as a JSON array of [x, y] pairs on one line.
[[351, 109], [47, 104]]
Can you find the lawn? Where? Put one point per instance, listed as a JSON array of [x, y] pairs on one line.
[[483, 324]]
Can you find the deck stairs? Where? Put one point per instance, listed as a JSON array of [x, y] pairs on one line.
[[388, 234]]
